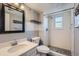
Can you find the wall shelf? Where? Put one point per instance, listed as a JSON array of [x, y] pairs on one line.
[[35, 21]]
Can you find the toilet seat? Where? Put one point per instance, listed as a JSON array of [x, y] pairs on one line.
[[43, 49]]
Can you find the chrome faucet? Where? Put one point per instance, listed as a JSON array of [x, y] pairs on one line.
[[14, 42]]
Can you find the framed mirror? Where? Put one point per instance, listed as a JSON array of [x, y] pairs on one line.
[[13, 19]]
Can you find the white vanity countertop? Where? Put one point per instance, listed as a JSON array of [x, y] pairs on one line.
[[29, 45]]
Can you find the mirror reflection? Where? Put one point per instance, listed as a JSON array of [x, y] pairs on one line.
[[13, 19]]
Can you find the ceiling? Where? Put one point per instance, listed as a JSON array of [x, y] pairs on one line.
[[49, 7]]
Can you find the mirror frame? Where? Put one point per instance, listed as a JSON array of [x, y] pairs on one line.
[[3, 19]]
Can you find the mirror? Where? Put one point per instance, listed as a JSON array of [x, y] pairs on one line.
[[13, 19]]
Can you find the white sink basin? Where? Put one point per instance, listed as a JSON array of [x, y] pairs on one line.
[[17, 47]]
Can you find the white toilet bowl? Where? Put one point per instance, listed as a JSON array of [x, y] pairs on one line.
[[43, 50]]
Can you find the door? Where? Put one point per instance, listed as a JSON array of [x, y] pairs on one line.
[[61, 30]]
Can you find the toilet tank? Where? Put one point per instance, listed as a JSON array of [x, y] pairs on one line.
[[36, 40]]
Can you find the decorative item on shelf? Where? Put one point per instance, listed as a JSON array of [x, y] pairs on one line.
[[35, 21]]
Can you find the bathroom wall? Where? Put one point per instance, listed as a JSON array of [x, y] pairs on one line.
[[27, 34], [41, 30], [31, 29]]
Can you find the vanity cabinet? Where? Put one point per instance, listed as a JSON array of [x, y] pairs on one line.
[[31, 52]]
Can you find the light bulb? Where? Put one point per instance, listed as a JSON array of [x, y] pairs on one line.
[[17, 4], [22, 7]]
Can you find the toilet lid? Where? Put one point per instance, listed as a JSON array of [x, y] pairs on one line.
[[43, 49]]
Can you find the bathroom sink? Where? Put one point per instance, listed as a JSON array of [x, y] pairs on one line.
[[17, 47]]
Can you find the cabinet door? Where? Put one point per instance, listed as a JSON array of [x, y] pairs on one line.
[[31, 52]]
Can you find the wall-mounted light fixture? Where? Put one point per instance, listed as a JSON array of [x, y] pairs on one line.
[[20, 5], [17, 4]]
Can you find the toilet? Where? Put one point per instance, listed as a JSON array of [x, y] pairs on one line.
[[42, 49]]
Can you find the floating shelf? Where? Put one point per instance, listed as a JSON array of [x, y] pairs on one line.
[[35, 21]]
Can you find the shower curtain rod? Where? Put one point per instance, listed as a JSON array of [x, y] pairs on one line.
[[59, 11]]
